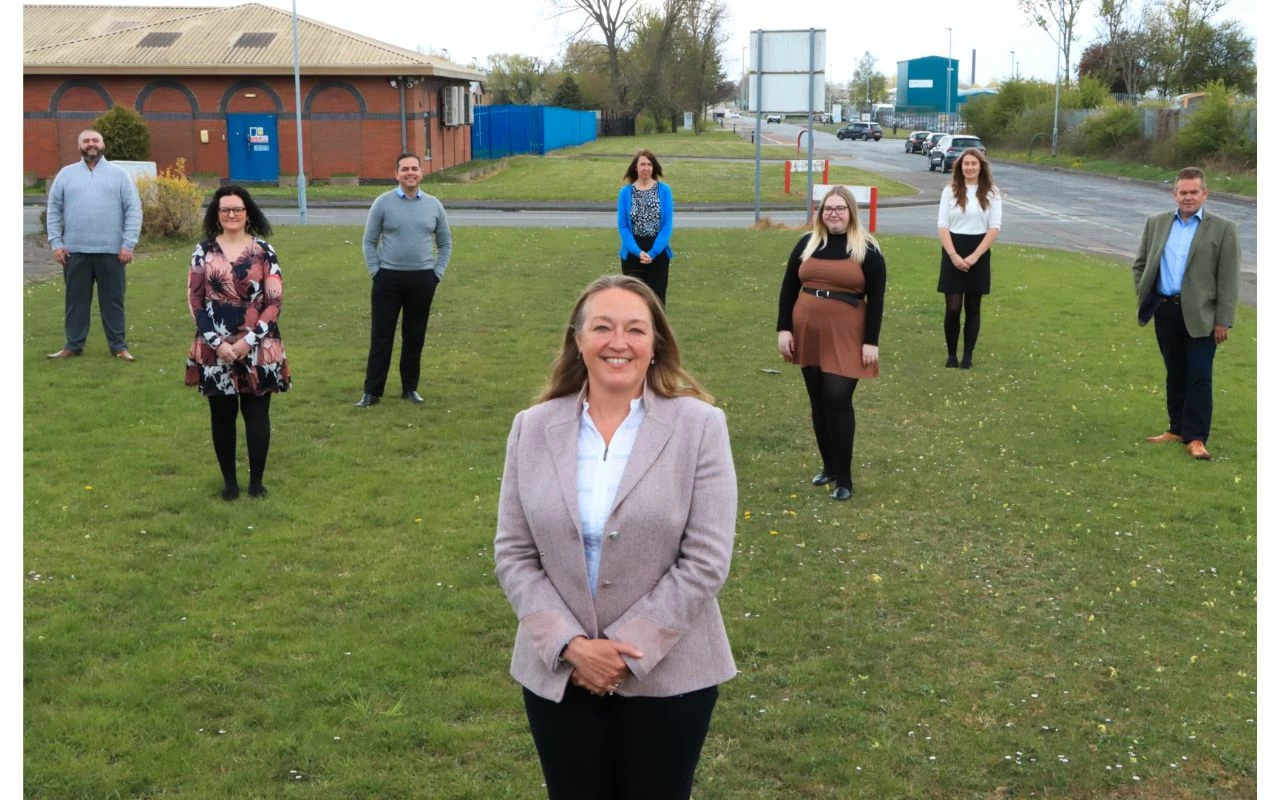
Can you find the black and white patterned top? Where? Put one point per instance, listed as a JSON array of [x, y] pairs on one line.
[[646, 211]]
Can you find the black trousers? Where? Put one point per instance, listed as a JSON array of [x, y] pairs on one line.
[[654, 274], [1188, 367], [80, 274], [256, 410], [397, 293], [620, 748]]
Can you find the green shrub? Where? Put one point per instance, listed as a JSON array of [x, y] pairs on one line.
[[1111, 130], [1215, 129], [125, 133], [994, 118], [170, 204]]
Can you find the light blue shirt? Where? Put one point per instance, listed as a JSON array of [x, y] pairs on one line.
[[400, 192], [600, 468], [1173, 261]]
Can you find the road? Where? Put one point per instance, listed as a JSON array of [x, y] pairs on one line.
[[1044, 208]]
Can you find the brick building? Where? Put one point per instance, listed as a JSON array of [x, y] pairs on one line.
[[216, 87]]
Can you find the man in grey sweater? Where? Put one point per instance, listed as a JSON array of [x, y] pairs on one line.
[[93, 222], [406, 248]]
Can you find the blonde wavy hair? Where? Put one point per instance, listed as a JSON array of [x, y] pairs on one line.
[[859, 238], [665, 377]]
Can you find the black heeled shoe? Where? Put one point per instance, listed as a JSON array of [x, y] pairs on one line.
[[841, 493], [230, 492], [823, 478], [966, 363], [952, 361], [257, 490]]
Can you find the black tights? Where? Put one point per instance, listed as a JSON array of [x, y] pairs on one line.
[[831, 405], [256, 410], [972, 321]]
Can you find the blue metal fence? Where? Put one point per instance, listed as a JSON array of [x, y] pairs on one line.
[[512, 130]]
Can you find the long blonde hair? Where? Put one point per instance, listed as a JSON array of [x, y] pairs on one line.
[[858, 240], [665, 377]]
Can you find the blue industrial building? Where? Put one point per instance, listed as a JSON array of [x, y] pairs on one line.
[[922, 85]]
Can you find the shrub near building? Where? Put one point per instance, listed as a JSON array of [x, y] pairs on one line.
[[126, 134], [170, 204]]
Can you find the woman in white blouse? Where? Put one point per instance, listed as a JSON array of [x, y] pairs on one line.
[[968, 224], [615, 530]]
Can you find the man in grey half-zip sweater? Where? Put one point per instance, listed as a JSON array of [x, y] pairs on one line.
[[407, 245], [93, 221]]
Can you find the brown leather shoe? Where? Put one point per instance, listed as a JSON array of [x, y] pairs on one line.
[[1165, 437], [124, 355], [1195, 449], [65, 353]]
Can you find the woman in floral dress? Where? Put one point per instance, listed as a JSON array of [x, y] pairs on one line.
[[237, 360]]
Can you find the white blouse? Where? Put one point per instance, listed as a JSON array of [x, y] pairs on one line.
[[600, 468], [972, 219]]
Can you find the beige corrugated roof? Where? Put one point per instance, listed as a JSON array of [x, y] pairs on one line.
[[99, 40]]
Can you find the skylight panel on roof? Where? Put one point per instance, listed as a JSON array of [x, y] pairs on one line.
[[254, 40], [159, 39]]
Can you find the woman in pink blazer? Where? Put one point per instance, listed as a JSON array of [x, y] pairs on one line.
[[615, 530]]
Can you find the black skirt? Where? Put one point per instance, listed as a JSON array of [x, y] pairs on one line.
[[977, 280]]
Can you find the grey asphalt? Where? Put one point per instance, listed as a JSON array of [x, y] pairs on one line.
[[1044, 207]]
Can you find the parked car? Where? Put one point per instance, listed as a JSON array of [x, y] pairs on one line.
[[861, 130], [916, 141], [930, 143], [949, 149], [773, 118]]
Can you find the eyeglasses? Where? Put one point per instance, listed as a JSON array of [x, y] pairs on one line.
[[835, 209], [231, 212]]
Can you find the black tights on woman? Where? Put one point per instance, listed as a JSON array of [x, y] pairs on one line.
[[831, 404], [256, 410], [951, 325]]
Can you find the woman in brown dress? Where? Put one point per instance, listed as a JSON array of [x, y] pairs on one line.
[[829, 313]]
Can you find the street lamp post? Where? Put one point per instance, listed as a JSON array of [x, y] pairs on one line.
[[948, 78], [1013, 70]]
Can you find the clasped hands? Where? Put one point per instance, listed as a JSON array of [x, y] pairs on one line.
[[233, 351], [963, 263], [597, 663], [645, 258]]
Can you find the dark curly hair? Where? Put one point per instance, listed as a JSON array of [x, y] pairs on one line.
[[256, 222]]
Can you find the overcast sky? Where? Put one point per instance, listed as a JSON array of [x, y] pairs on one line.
[[891, 29]]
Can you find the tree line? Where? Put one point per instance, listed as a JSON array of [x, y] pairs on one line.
[[649, 61]]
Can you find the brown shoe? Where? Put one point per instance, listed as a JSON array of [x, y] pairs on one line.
[[1195, 449], [65, 352], [124, 355], [1165, 437]]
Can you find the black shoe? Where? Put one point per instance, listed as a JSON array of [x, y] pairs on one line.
[[257, 490], [367, 400], [230, 492], [823, 478], [967, 363], [951, 361], [841, 493], [414, 396]]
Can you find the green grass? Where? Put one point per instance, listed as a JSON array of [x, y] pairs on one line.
[[573, 177], [1022, 599], [1245, 184]]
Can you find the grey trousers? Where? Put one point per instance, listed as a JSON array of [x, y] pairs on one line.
[[82, 271]]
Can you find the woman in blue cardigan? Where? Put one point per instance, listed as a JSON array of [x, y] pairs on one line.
[[645, 218]]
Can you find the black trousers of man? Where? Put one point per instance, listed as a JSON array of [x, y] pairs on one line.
[[397, 293]]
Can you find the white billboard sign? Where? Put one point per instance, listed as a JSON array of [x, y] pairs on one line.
[[783, 60]]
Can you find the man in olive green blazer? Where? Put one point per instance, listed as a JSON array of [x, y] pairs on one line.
[[1187, 277]]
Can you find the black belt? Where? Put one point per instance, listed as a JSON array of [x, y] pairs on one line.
[[1176, 299], [852, 298]]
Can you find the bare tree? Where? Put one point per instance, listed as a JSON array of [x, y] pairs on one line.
[[613, 20], [1124, 39], [1058, 19]]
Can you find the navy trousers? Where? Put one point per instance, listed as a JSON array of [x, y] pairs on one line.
[[1188, 366], [80, 274]]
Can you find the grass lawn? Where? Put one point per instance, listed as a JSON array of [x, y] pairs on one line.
[[598, 178], [1235, 183], [1022, 600]]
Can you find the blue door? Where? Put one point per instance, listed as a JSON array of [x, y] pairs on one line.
[[253, 152]]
